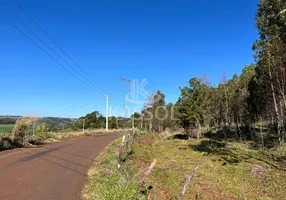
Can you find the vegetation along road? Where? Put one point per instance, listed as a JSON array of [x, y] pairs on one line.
[[53, 171]]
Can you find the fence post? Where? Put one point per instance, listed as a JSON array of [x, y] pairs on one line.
[[121, 151]]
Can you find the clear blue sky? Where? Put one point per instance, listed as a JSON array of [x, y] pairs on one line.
[[166, 42]]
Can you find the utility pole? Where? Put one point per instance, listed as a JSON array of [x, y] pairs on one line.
[[130, 82], [107, 108], [133, 121]]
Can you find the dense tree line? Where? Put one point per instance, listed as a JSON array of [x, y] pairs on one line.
[[202, 105], [257, 96], [251, 105], [96, 120]]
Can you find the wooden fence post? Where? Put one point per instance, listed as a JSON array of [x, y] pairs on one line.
[[121, 151]]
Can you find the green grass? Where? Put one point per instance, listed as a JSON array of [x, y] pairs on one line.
[[6, 128], [108, 182]]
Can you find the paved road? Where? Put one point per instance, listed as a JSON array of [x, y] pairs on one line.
[[55, 171]]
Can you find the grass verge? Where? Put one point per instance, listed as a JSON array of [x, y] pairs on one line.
[[106, 181]]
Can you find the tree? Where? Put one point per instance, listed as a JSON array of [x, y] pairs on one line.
[[237, 93], [193, 106], [270, 56]]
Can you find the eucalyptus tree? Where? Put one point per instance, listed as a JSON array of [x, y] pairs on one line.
[[194, 106], [270, 56]]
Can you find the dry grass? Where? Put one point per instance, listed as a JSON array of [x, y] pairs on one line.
[[22, 126], [75, 134], [21, 135], [228, 170]]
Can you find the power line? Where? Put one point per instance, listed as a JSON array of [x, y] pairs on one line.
[[94, 85], [73, 108], [105, 91], [76, 110], [48, 53]]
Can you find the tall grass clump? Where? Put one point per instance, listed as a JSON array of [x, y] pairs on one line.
[[23, 126], [22, 133], [27, 131]]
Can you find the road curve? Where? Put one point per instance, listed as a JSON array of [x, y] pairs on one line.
[[55, 171]]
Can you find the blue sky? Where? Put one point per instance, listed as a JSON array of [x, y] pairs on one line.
[[166, 42]]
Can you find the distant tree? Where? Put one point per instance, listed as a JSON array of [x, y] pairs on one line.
[[91, 120], [113, 123]]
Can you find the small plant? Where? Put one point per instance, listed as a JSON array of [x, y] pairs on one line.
[[40, 131]]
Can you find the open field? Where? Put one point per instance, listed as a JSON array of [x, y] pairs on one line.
[[6, 128], [228, 170]]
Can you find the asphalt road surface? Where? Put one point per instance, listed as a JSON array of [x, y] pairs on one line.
[[55, 171]]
